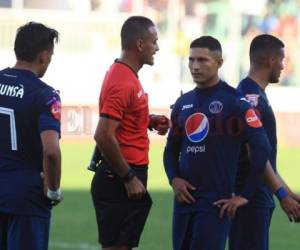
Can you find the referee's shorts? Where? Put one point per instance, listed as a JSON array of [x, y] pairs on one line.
[[120, 220]]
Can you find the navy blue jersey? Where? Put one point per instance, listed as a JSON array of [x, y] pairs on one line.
[[257, 97], [27, 107], [203, 145]]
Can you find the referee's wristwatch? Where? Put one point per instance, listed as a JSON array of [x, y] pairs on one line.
[[128, 176]]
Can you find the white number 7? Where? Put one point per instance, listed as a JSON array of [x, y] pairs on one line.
[[12, 122]]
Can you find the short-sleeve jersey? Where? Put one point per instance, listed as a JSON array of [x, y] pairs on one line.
[[122, 98], [257, 97], [208, 128], [27, 107]]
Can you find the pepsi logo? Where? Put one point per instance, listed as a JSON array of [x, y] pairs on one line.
[[196, 127]]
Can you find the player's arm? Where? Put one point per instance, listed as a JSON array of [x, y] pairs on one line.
[[259, 146], [290, 192], [257, 140], [285, 196], [274, 181], [51, 165], [180, 186], [105, 137]]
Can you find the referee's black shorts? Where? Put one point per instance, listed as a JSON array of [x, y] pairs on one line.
[[120, 220]]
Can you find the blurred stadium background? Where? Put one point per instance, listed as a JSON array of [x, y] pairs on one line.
[[90, 42]]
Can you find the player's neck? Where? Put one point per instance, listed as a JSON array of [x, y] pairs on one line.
[[26, 66], [259, 78], [208, 84]]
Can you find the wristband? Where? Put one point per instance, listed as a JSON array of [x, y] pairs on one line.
[[281, 193], [129, 175], [54, 195]]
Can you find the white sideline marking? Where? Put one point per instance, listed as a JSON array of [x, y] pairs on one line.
[[73, 246]]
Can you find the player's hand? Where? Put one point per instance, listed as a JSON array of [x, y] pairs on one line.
[[296, 197], [135, 188], [54, 202], [181, 189], [229, 206], [160, 123], [291, 207]]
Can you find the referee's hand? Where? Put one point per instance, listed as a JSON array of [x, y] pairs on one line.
[[135, 188]]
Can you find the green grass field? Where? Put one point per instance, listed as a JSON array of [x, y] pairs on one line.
[[73, 222]]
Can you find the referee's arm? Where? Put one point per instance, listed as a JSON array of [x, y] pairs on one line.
[[105, 137]]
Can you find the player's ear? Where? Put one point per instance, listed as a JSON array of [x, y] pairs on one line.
[[267, 61], [220, 62], [139, 44], [44, 56], [272, 60], [41, 56]]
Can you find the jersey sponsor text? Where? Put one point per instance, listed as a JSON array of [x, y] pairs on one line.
[[11, 90]]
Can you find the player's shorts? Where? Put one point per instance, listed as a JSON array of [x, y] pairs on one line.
[[250, 229], [23, 232], [120, 220], [199, 231]]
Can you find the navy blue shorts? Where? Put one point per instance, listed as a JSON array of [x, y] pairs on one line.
[[250, 229], [199, 231], [120, 220], [23, 232]]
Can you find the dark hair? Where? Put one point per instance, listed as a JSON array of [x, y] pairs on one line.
[[32, 38], [206, 42], [263, 46], [133, 28]]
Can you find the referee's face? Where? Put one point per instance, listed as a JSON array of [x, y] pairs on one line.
[[149, 46]]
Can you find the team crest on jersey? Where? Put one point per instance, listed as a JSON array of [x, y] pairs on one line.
[[215, 107], [253, 99], [56, 109], [196, 127], [252, 119]]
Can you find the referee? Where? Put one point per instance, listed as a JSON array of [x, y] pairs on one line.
[[119, 185]]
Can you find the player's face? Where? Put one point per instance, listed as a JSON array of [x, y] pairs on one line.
[[45, 59], [149, 46], [277, 66], [204, 65]]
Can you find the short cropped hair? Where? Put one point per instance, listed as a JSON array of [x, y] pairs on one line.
[[32, 38], [133, 28], [208, 42], [263, 46]]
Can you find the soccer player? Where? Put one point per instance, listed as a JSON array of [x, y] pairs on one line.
[[250, 227], [209, 123], [118, 188], [30, 161]]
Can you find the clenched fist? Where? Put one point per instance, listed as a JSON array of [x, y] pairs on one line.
[[160, 123]]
